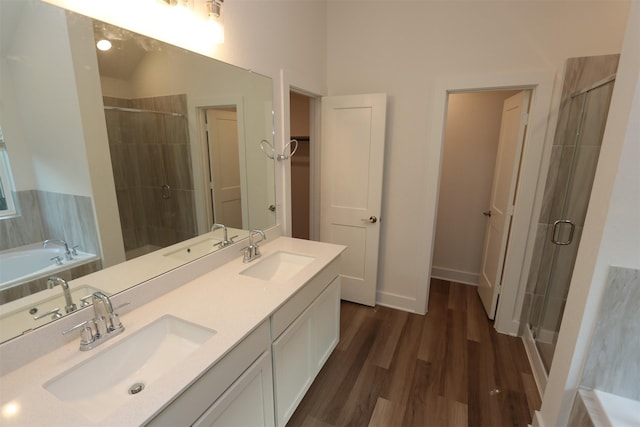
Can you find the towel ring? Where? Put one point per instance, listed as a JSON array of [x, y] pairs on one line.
[[271, 152]]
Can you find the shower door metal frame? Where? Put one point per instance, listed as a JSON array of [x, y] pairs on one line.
[[557, 236]]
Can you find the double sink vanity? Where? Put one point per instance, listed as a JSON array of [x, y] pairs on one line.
[[239, 344]]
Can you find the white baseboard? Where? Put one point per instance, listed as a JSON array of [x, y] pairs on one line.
[[457, 276], [399, 302], [546, 335]]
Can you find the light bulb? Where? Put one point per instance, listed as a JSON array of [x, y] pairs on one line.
[[103, 45]]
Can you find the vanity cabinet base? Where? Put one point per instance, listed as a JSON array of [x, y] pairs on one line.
[[302, 349], [261, 381]]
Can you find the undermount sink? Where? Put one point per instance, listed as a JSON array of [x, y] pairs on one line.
[[279, 267], [113, 377]]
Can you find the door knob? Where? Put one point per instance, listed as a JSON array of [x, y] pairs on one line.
[[372, 219], [486, 213]]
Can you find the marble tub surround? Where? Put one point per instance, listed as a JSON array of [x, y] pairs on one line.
[[38, 285], [224, 300], [26, 226], [69, 217], [613, 363], [48, 215]]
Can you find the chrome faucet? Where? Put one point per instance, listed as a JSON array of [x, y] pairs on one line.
[[55, 281], [225, 239], [252, 251], [105, 324], [67, 252]]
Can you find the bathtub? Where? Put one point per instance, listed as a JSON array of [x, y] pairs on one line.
[[31, 262]]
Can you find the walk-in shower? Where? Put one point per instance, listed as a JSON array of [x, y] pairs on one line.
[[151, 160], [581, 122]]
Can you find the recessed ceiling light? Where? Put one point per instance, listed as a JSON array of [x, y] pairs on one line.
[[103, 45]]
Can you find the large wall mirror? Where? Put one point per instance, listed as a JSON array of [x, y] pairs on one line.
[[123, 159]]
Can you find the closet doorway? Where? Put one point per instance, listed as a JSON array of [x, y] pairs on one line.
[[469, 161], [301, 189]]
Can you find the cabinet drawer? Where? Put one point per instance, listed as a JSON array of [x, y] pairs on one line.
[[294, 307]]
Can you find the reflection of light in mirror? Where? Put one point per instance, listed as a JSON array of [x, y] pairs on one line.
[[178, 25], [11, 409], [216, 30], [103, 45]]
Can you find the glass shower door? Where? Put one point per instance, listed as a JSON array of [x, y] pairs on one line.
[[576, 171]]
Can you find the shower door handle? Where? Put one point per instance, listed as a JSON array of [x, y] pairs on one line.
[[556, 227]]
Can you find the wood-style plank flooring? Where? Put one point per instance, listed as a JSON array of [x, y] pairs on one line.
[[448, 368]]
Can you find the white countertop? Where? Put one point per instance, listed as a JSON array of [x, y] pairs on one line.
[[223, 300]]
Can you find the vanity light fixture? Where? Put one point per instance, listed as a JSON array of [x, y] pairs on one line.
[[206, 14], [103, 45], [214, 7]]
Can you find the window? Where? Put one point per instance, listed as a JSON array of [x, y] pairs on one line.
[[7, 205]]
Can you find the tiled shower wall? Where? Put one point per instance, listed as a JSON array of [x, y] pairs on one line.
[[150, 149], [580, 73]]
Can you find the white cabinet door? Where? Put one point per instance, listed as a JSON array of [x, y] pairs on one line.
[[292, 367], [303, 348], [248, 402], [325, 325]]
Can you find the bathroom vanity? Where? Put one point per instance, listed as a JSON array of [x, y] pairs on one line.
[[240, 345]]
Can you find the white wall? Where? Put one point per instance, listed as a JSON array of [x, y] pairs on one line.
[[611, 233], [49, 115], [95, 140], [468, 160], [403, 48]]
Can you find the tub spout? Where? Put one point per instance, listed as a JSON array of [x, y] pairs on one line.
[[67, 251], [54, 281]]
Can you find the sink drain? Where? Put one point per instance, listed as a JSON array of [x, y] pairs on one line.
[[136, 388]]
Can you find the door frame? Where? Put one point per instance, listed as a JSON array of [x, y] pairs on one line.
[[200, 159], [536, 155]]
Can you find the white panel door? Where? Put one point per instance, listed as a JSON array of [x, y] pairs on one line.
[[224, 162], [351, 163], [503, 191]]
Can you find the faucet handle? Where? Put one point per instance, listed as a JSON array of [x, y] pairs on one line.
[[101, 326], [74, 250], [115, 319], [86, 335], [84, 301], [57, 260], [55, 314]]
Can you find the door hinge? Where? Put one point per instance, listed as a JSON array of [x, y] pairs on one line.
[[525, 118], [510, 210]]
